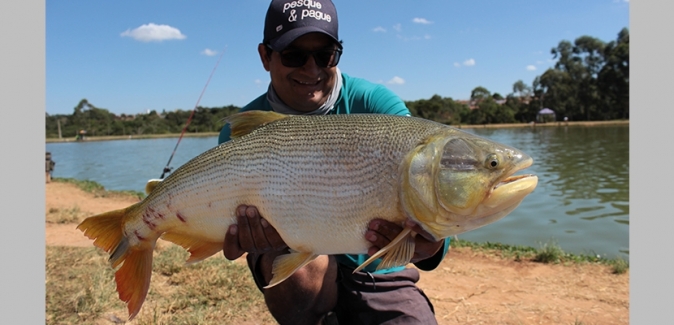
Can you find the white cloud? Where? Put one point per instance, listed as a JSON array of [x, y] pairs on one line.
[[457, 64], [531, 67], [397, 27], [258, 82], [469, 62], [379, 29], [209, 52], [421, 21], [396, 81], [427, 36], [152, 32]]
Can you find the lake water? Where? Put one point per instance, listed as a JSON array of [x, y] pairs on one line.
[[581, 202]]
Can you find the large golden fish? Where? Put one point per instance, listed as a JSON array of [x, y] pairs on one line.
[[318, 180]]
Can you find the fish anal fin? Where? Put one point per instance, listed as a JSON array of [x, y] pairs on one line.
[[398, 252], [285, 265], [151, 184], [199, 249], [245, 122], [133, 279]]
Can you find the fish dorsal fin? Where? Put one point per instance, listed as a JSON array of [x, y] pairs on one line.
[[151, 184], [285, 265], [398, 252], [245, 122]]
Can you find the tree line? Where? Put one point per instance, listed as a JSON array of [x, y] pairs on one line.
[[590, 81]]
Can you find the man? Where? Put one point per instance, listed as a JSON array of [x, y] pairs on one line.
[[49, 166], [301, 50]]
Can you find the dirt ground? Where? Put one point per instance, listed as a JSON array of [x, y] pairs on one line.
[[469, 287]]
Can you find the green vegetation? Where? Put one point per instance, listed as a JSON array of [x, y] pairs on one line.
[[548, 253], [97, 189], [589, 82]]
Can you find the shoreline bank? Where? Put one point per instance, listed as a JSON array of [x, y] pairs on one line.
[[459, 126]]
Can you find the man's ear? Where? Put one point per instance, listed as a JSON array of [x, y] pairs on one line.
[[265, 56]]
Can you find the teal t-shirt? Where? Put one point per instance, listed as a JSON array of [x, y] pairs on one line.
[[357, 96]]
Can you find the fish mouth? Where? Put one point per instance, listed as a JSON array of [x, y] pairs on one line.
[[513, 188], [510, 191], [511, 179]]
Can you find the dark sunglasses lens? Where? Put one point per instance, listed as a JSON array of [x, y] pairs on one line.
[[296, 59], [327, 58]]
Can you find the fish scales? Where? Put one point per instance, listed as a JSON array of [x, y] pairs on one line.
[[337, 173]]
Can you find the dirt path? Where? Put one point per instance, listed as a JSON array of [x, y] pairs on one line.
[[469, 287]]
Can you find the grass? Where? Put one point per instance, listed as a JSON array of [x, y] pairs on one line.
[[60, 216], [548, 253], [80, 289], [97, 189]]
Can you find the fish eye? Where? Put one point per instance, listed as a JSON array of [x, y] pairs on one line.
[[492, 161]]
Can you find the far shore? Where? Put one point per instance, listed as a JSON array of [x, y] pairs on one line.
[[460, 126]]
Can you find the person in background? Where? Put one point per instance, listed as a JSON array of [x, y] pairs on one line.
[[301, 50], [49, 166]]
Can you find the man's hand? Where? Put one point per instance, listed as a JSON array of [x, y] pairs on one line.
[[251, 234], [381, 232]]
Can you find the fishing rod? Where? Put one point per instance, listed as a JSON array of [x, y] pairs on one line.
[[167, 169]]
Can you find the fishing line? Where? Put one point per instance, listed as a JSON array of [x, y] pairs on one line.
[[167, 169]]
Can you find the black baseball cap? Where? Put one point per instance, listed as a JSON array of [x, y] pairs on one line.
[[287, 20]]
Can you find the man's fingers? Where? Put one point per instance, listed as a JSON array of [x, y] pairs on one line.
[[231, 248], [420, 231], [273, 236], [245, 237], [256, 230], [386, 229]]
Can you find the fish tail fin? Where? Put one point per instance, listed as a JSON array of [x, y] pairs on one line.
[[245, 122], [397, 253], [105, 229], [133, 278]]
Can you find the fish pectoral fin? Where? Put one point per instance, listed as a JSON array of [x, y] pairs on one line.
[[245, 122], [285, 265], [151, 184], [398, 252], [199, 249]]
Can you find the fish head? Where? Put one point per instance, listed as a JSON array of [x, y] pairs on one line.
[[456, 182]]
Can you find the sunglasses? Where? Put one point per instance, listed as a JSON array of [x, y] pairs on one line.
[[325, 58]]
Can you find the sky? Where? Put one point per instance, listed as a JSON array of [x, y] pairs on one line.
[[132, 57]]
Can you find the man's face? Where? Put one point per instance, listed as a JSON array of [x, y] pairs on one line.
[[304, 88]]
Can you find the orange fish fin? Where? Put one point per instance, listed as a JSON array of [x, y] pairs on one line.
[[199, 249], [245, 122], [133, 279], [397, 253], [105, 229], [285, 265]]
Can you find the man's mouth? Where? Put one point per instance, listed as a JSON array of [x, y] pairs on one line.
[[307, 83]]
